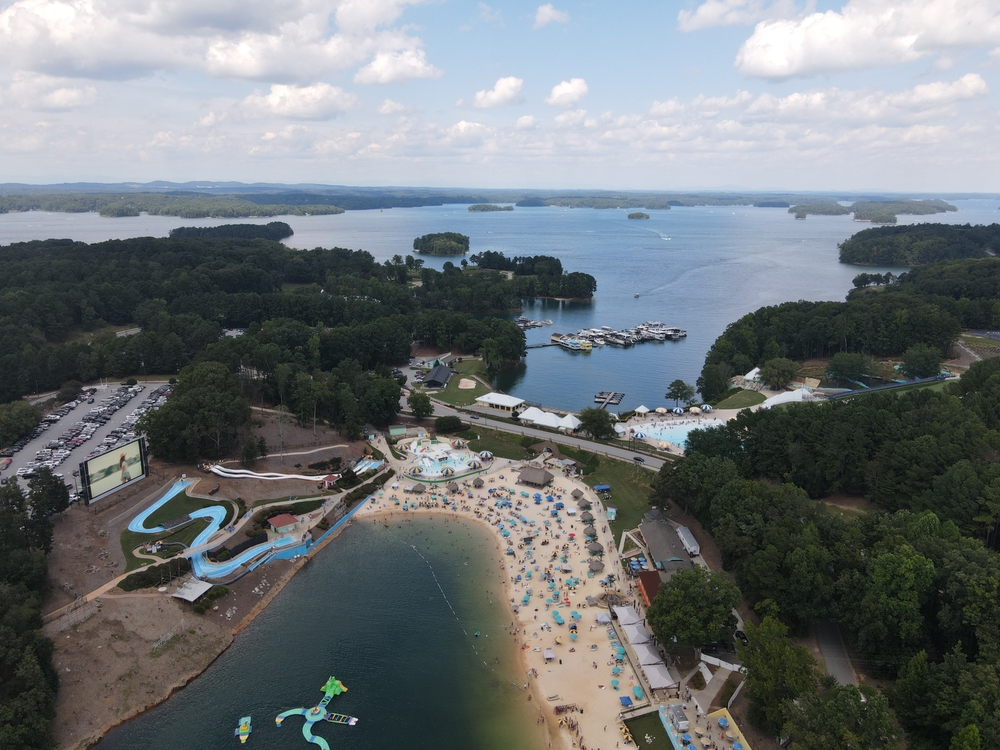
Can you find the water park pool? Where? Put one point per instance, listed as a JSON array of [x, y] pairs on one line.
[[436, 459], [674, 433]]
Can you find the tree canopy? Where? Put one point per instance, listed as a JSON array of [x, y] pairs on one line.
[[693, 608]]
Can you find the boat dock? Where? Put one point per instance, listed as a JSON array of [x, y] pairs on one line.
[[608, 397]]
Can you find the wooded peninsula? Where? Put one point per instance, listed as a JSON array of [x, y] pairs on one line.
[[919, 244]]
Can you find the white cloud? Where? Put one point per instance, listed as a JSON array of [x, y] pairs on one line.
[[867, 33], [42, 92], [71, 97], [567, 93], [733, 12], [490, 15], [547, 14], [466, 133], [320, 101], [506, 91], [272, 40], [398, 65], [571, 119], [389, 107], [526, 122]]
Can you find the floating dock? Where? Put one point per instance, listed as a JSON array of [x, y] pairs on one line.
[[608, 397]]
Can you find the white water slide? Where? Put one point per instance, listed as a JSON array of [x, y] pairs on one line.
[[247, 474]]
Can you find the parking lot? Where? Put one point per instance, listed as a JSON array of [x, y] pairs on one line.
[[99, 421]]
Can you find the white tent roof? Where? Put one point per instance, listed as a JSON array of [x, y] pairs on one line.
[[531, 414], [548, 419], [658, 677], [603, 618], [549, 654], [191, 590], [620, 428], [636, 634], [569, 422], [642, 410], [788, 397], [753, 374], [627, 615], [646, 654], [500, 399]]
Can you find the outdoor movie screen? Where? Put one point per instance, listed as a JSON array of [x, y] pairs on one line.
[[115, 469]]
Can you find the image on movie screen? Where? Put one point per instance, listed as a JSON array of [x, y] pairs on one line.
[[114, 468]]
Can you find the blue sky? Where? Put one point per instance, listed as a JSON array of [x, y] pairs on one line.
[[750, 94]]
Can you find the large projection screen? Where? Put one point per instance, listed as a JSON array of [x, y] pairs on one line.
[[114, 470]]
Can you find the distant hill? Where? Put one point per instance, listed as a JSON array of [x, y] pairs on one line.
[[877, 212], [917, 244]]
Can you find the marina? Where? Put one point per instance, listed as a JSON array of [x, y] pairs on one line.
[[587, 338], [604, 398]]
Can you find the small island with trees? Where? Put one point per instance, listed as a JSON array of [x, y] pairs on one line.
[[273, 230], [919, 244], [442, 243], [482, 208], [877, 212], [638, 215]]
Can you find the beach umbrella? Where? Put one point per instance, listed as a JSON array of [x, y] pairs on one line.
[[577, 493], [485, 455], [583, 504], [595, 547], [639, 435], [661, 410], [452, 487], [474, 464], [706, 407], [477, 482], [596, 566], [447, 471], [678, 410], [590, 531], [694, 410], [587, 517]]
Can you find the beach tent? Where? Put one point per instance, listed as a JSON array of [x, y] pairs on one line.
[[626, 615], [549, 654], [603, 618], [548, 419], [569, 422], [596, 566], [647, 654], [636, 634], [530, 414], [659, 677], [642, 410]]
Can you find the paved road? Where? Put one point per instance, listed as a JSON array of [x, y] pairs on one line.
[[831, 646]]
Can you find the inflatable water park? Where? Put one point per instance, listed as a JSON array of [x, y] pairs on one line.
[[317, 713]]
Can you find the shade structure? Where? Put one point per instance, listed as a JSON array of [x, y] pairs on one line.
[[587, 516], [595, 547], [642, 410], [596, 565], [583, 504], [485, 455], [549, 654], [694, 410], [577, 493], [678, 410], [590, 531], [530, 414], [547, 419], [603, 618], [640, 436], [569, 422], [659, 678], [452, 487], [636, 634], [646, 654], [661, 410], [418, 488], [447, 471], [626, 615], [477, 482]]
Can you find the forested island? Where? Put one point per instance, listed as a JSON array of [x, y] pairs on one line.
[[442, 243], [638, 215], [184, 205], [918, 244], [487, 207], [273, 230], [539, 275], [878, 212]]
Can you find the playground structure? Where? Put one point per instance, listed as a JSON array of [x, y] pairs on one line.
[[332, 688], [243, 730]]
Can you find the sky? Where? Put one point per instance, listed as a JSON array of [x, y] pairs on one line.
[[668, 95]]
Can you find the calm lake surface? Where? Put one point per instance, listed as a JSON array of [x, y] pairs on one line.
[[368, 611], [695, 268]]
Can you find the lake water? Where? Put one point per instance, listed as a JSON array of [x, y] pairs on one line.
[[695, 268], [368, 611]]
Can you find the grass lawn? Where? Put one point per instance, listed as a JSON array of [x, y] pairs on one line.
[[648, 724], [500, 444], [979, 342], [451, 393], [182, 505], [741, 399], [132, 539], [630, 488]]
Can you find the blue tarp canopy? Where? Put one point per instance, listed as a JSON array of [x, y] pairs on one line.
[[602, 487], [626, 701]]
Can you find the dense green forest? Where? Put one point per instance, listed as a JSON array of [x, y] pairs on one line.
[[185, 205], [442, 243], [488, 207], [919, 244], [913, 582], [638, 215], [538, 275], [273, 230], [28, 680], [322, 328], [877, 211]]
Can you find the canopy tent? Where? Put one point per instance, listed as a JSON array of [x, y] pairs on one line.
[[549, 654], [548, 419], [636, 634], [596, 565], [577, 493], [603, 618], [658, 677], [646, 654], [642, 410], [626, 615], [530, 414], [569, 422]]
